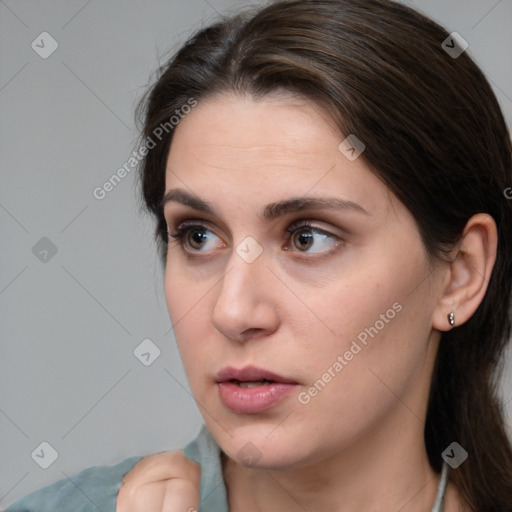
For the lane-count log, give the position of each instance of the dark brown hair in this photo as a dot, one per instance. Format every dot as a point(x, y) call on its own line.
point(434, 134)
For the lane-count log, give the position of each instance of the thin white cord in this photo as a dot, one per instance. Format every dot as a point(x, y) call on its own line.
point(439, 501)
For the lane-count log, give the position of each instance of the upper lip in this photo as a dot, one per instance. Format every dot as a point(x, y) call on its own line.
point(249, 373)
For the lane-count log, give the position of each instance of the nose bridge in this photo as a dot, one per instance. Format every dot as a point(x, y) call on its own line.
point(241, 303)
point(241, 282)
point(247, 261)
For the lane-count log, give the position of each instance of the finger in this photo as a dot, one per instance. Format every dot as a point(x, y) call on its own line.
point(163, 466)
point(181, 496)
point(170, 496)
point(168, 479)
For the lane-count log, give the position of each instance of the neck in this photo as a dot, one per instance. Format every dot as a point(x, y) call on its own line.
point(380, 471)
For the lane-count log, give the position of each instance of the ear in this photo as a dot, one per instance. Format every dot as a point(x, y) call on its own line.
point(468, 274)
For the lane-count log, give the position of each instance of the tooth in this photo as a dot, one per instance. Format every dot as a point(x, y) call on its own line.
point(252, 384)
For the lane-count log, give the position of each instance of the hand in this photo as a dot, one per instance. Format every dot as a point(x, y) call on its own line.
point(165, 482)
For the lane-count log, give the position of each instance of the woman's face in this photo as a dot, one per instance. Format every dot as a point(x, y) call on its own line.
point(339, 309)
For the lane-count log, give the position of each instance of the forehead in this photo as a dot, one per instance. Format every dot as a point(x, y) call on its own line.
point(233, 127)
point(231, 146)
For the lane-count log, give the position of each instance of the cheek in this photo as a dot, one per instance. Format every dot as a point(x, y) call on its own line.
point(185, 290)
point(371, 375)
point(359, 302)
point(370, 323)
point(187, 304)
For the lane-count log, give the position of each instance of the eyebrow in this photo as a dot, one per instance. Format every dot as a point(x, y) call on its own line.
point(271, 211)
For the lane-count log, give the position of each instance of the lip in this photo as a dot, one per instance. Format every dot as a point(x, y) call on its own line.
point(255, 399)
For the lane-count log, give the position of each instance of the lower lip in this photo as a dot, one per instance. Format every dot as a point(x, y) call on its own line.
point(253, 400)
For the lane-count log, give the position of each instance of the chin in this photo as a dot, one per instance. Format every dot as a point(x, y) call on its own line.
point(261, 446)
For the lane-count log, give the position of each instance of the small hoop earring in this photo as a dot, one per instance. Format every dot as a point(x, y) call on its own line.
point(451, 318)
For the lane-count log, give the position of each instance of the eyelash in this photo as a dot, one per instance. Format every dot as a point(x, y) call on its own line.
point(186, 226)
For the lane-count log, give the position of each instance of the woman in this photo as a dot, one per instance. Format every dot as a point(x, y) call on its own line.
point(331, 208)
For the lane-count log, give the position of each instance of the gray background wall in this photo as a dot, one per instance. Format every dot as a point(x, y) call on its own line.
point(71, 320)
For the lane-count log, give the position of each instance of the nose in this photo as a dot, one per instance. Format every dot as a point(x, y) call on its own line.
point(246, 306)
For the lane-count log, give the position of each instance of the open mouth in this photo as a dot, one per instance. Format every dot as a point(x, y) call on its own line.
point(253, 383)
point(252, 390)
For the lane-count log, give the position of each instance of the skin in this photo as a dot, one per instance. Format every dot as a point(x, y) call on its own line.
point(294, 310)
point(164, 482)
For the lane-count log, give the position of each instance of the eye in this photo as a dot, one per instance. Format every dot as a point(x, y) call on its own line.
point(195, 237)
point(309, 239)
